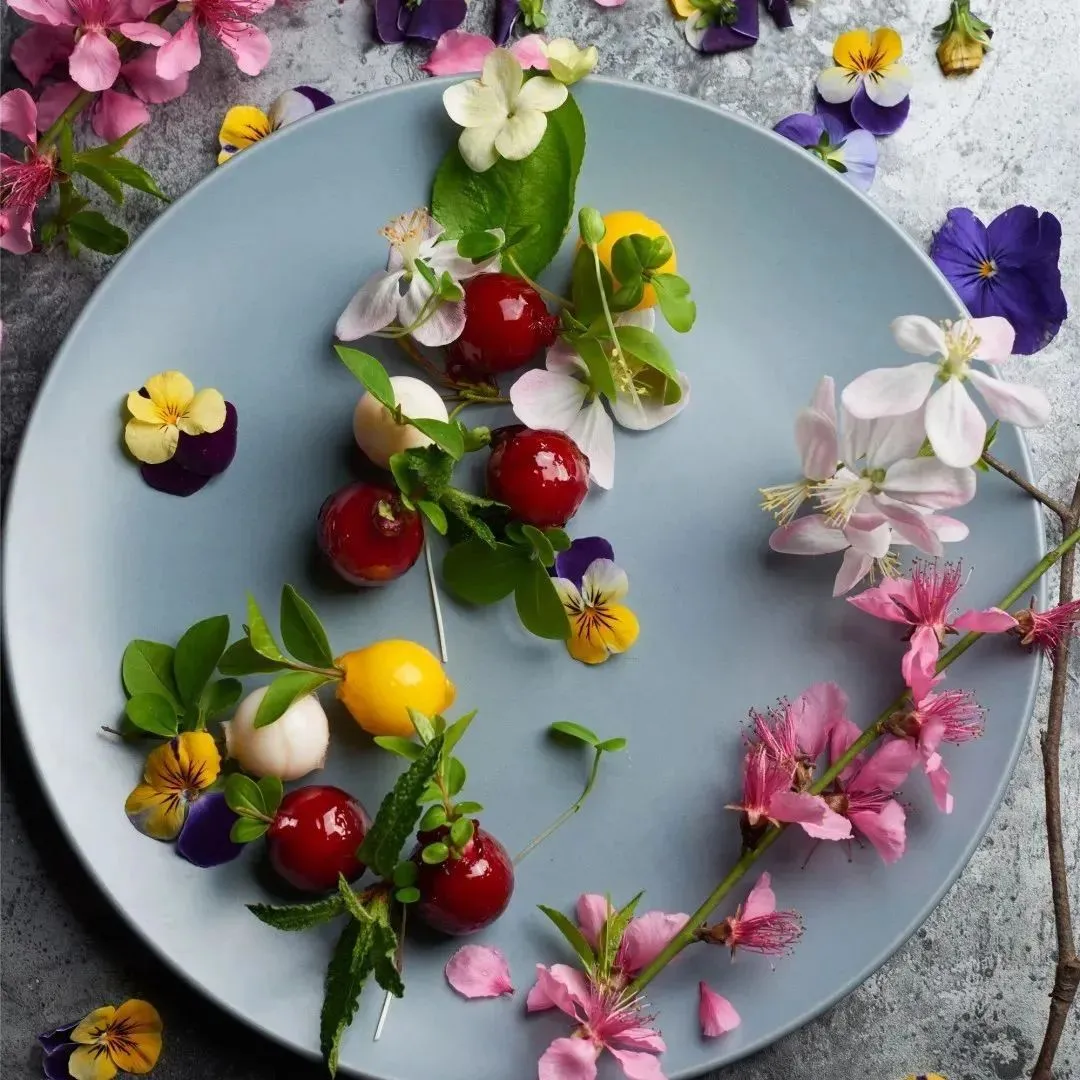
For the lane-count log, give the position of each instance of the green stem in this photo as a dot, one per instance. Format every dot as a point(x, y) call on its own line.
point(566, 815)
point(748, 858)
point(547, 294)
point(465, 402)
point(607, 310)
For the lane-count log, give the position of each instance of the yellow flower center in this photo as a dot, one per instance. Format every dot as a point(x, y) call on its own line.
point(406, 232)
point(987, 268)
point(869, 63)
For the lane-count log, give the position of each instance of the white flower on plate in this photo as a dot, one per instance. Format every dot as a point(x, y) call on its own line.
point(503, 114)
point(402, 295)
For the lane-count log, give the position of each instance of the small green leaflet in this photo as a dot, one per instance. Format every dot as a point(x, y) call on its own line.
point(152, 713)
point(299, 916)
point(466, 507)
point(673, 296)
point(646, 347)
point(286, 688)
point(399, 812)
point(370, 373)
point(98, 174)
point(405, 748)
point(446, 436)
point(133, 176)
point(456, 730)
point(612, 746)
point(241, 659)
point(197, 654)
point(259, 633)
point(540, 544)
point(247, 830)
point(573, 935)
point(576, 731)
point(479, 574)
point(585, 291)
point(219, 697)
point(435, 514)
point(301, 631)
point(147, 668)
point(611, 935)
point(96, 232)
point(538, 604)
point(349, 968)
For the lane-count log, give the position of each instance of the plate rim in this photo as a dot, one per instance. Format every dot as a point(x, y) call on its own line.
point(12, 501)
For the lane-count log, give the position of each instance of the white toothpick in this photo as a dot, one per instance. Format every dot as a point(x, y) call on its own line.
point(382, 1016)
point(399, 959)
point(439, 628)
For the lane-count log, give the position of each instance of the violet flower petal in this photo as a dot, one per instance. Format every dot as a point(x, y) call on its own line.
point(432, 18)
point(173, 479)
point(579, 556)
point(387, 28)
point(780, 12)
point(860, 155)
point(506, 15)
point(56, 1063)
point(877, 119)
point(741, 34)
point(53, 1040)
point(204, 839)
point(839, 111)
point(316, 97)
point(212, 452)
point(801, 128)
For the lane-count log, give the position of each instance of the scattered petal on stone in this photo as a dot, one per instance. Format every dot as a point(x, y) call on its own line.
point(478, 971)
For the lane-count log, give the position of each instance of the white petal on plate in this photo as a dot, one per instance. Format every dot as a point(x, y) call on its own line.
point(894, 438)
point(919, 335)
point(445, 325)
point(645, 413)
point(594, 434)
point(955, 427)
point(521, 134)
point(815, 439)
point(996, 338)
point(889, 391)
point(477, 146)
point(604, 583)
point(547, 399)
point(503, 74)
point(1024, 406)
point(854, 567)
point(541, 92)
point(374, 307)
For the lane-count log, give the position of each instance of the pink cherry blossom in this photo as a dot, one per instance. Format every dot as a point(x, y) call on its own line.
point(1047, 629)
point(642, 941)
point(479, 971)
point(458, 51)
point(23, 184)
point(227, 20)
point(924, 602)
point(93, 60)
point(716, 1013)
point(795, 733)
point(757, 926)
point(604, 1019)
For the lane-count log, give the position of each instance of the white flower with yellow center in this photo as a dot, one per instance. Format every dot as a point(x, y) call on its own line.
point(503, 114)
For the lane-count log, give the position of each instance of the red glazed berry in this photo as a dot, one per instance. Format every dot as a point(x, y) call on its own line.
point(466, 893)
point(368, 535)
point(541, 475)
point(314, 837)
point(506, 324)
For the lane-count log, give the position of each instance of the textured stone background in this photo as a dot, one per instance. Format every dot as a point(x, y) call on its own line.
point(967, 995)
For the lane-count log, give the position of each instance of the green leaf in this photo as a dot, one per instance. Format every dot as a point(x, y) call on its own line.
point(540, 544)
point(469, 807)
point(371, 374)
point(147, 668)
point(673, 296)
point(455, 776)
point(110, 148)
point(575, 731)
point(422, 725)
point(299, 916)
point(197, 654)
point(152, 713)
point(573, 935)
point(435, 514)
point(479, 574)
point(244, 797)
point(466, 508)
point(260, 635)
point(434, 854)
point(219, 697)
point(446, 436)
point(240, 658)
point(519, 236)
point(96, 174)
point(461, 832)
point(656, 251)
point(611, 934)
point(538, 604)
point(595, 358)
point(95, 231)
point(405, 873)
point(646, 347)
point(511, 195)
point(478, 246)
point(405, 748)
point(286, 688)
point(585, 290)
point(456, 731)
point(399, 813)
point(384, 950)
point(245, 830)
point(349, 968)
point(434, 816)
point(611, 746)
point(301, 631)
point(409, 894)
point(272, 791)
point(135, 176)
point(626, 262)
point(627, 297)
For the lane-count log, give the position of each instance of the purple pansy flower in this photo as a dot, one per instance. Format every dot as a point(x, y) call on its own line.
point(1008, 268)
point(852, 153)
point(204, 839)
point(506, 15)
point(780, 12)
point(723, 25)
point(197, 459)
point(396, 20)
point(56, 1051)
point(579, 556)
point(861, 112)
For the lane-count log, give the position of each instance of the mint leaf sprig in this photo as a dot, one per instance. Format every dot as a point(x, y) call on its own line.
point(170, 689)
point(575, 733)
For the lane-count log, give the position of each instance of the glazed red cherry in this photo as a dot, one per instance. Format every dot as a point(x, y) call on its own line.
point(466, 893)
point(541, 475)
point(506, 324)
point(314, 837)
point(368, 534)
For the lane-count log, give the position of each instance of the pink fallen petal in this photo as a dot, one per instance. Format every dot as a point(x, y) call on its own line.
point(531, 52)
point(761, 900)
point(55, 98)
point(457, 52)
point(115, 114)
point(40, 49)
point(645, 938)
point(593, 910)
point(15, 227)
point(249, 46)
point(568, 1059)
point(884, 828)
point(638, 1066)
point(611, 3)
point(939, 778)
point(147, 85)
point(479, 971)
point(811, 813)
point(95, 61)
point(18, 116)
point(180, 54)
point(717, 1014)
point(991, 621)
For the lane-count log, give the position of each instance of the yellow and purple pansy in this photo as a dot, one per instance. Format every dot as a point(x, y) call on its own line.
point(719, 26)
point(591, 587)
point(177, 773)
point(106, 1041)
point(245, 125)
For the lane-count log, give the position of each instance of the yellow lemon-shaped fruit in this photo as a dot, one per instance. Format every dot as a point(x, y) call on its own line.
point(383, 681)
point(622, 223)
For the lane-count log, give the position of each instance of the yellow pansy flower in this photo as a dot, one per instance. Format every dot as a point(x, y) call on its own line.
point(170, 405)
point(599, 625)
point(111, 1039)
point(867, 62)
point(245, 125)
point(176, 773)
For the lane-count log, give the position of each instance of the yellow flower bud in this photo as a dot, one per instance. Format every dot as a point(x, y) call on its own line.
point(958, 54)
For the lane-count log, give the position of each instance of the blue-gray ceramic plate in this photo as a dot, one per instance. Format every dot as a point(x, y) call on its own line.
point(239, 286)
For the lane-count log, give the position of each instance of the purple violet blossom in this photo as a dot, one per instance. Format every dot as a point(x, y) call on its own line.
point(861, 112)
point(1008, 268)
point(780, 12)
point(851, 152)
point(723, 26)
point(56, 1051)
point(428, 20)
point(506, 15)
point(204, 840)
point(579, 556)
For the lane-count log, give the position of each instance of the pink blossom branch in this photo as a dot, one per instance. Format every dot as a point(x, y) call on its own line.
point(870, 735)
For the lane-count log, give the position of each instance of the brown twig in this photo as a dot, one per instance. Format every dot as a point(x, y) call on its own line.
point(1048, 501)
point(1067, 969)
point(422, 362)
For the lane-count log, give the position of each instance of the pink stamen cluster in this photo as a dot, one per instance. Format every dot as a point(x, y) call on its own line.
point(23, 184)
point(1047, 629)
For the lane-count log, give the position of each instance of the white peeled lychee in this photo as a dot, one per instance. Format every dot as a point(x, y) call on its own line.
point(292, 746)
point(376, 431)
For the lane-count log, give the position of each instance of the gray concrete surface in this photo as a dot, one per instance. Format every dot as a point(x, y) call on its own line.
point(967, 995)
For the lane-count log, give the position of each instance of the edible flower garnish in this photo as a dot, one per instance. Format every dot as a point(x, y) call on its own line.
point(869, 78)
point(1046, 630)
point(964, 40)
point(567, 62)
point(227, 20)
point(419, 292)
point(1008, 268)
point(479, 971)
point(245, 125)
point(503, 114)
point(853, 154)
point(719, 26)
point(23, 184)
point(458, 52)
point(176, 774)
point(756, 925)
point(590, 587)
point(168, 407)
point(716, 1014)
point(104, 1042)
point(396, 20)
